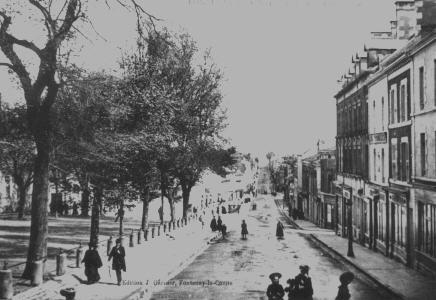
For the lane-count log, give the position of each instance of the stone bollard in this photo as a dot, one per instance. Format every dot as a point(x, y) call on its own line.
point(68, 293)
point(164, 227)
point(152, 232)
point(109, 245)
point(37, 273)
point(146, 234)
point(139, 236)
point(79, 255)
point(61, 258)
point(158, 230)
point(131, 244)
point(6, 287)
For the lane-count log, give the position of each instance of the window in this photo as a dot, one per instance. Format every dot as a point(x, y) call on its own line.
point(373, 115)
point(383, 113)
point(374, 166)
point(401, 225)
point(403, 167)
point(393, 108)
point(421, 87)
point(403, 103)
point(383, 164)
point(434, 80)
point(427, 228)
point(394, 158)
point(422, 143)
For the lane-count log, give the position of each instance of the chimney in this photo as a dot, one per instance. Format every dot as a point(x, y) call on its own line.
point(406, 19)
point(394, 29)
point(425, 15)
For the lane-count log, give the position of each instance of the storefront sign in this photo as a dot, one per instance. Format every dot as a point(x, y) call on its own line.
point(378, 138)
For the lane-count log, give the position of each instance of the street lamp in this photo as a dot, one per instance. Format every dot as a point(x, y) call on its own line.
point(347, 194)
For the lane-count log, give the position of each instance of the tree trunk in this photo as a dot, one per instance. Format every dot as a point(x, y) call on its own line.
point(39, 223)
point(22, 191)
point(145, 204)
point(84, 203)
point(170, 197)
point(186, 191)
point(121, 217)
point(95, 216)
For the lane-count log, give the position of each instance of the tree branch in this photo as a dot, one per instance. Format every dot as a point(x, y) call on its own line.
point(48, 21)
point(7, 65)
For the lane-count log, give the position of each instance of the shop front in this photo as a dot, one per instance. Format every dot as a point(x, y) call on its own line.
point(425, 246)
point(399, 224)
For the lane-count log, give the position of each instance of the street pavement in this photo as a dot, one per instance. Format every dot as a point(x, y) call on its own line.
point(233, 268)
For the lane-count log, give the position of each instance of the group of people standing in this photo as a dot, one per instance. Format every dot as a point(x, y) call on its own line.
point(93, 262)
point(218, 225)
point(300, 287)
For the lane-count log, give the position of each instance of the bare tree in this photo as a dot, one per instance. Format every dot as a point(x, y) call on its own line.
point(41, 91)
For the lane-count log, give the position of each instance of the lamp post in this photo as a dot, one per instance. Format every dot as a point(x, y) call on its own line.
point(349, 203)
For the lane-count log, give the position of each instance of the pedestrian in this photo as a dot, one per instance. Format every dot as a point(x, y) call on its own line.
point(223, 210)
point(92, 262)
point(279, 230)
point(75, 209)
point(244, 230)
point(275, 290)
point(343, 292)
point(213, 224)
point(200, 219)
point(217, 210)
point(160, 212)
point(119, 214)
point(290, 288)
point(219, 223)
point(66, 208)
point(303, 284)
point(118, 262)
point(224, 230)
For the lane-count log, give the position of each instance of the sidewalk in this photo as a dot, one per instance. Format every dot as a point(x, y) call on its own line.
point(148, 265)
point(405, 282)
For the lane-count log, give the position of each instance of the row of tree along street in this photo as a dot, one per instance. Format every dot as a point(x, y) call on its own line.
point(156, 127)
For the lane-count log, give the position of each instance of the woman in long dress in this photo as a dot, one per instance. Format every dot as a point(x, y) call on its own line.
point(244, 230)
point(92, 262)
point(279, 230)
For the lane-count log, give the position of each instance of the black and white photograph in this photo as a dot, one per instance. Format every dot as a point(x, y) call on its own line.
point(217, 149)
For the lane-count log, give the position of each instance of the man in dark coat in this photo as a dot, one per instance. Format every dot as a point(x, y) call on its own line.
point(118, 263)
point(275, 290)
point(224, 230)
point(244, 230)
point(219, 223)
point(213, 224)
point(92, 262)
point(303, 284)
point(279, 230)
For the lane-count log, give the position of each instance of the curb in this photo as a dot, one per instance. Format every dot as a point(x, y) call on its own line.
point(339, 257)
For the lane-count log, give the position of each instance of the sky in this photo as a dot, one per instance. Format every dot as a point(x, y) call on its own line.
point(280, 58)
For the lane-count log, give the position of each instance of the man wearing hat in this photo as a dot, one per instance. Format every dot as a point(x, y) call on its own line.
point(343, 292)
point(303, 284)
point(92, 262)
point(118, 263)
point(275, 290)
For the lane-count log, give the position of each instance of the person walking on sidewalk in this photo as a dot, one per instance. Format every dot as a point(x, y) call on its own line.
point(303, 284)
point(244, 230)
point(343, 292)
point(223, 230)
point(279, 230)
point(219, 223)
point(275, 290)
point(92, 262)
point(213, 224)
point(118, 262)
